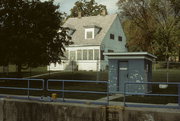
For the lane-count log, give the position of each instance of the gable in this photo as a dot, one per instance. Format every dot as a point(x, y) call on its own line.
point(101, 26)
point(115, 38)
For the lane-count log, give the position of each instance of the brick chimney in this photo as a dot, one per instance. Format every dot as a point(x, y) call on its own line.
point(79, 14)
point(103, 13)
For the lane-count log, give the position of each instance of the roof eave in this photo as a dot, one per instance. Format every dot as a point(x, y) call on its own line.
point(131, 54)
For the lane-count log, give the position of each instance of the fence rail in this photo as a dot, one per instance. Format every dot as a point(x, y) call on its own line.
point(106, 102)
point(63, 91)
point(28, 88)
point(126, 93)
point(164, 65)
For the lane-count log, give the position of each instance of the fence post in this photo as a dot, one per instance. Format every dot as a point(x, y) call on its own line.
point(63, 91)
point(179, 95)
point(108, 92)
point(125, 94)
point(43, 86)
point(154, 65)
point(28, 88)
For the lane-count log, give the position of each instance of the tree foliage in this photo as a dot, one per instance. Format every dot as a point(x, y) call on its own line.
point(31, 33)
point(152, 25)
point(87, 8)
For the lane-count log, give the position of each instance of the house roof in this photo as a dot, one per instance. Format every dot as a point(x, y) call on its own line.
point(79, 24)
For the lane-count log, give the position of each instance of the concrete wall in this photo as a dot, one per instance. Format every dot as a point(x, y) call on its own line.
point(113, 76)
point(151, 114)
point(19, 110)
point(16, 110)
point(137, 72)
point(1, 110)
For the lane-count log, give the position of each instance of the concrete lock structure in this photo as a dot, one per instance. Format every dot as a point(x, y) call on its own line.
point(130, 67)
point(28, 110)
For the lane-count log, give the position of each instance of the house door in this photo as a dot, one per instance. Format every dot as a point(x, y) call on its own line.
point(123, 75)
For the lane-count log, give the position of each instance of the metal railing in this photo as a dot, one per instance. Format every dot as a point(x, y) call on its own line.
point(126, 93)
point(28, 88)
point(106, 102)
point(63, 91)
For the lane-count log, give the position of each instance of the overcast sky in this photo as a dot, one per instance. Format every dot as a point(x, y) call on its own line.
point(66, 5)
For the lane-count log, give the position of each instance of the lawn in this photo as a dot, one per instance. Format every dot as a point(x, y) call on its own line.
point(25, 73)
point(78, 75)
point(158, 76)
point(161, 75)
point(58, 86)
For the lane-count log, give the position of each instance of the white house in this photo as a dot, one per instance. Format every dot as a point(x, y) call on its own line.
point(92, 36)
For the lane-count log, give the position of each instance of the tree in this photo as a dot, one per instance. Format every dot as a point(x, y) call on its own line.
point(86, 8)
point(167, 19)
point(154, 25)
point(31, 33)
point(138, 23)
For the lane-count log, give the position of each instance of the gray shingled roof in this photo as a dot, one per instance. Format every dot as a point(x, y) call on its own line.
point(104, 22)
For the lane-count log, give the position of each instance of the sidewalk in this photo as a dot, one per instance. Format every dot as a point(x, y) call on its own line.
point(39, 75)
point(112, 97)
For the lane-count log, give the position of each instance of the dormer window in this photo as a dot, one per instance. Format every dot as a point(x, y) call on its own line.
point(89, 33)
point(71, 31)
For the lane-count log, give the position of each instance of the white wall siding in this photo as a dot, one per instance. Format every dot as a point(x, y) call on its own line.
point(88, 65)
point(82, 65)
point(57, 66)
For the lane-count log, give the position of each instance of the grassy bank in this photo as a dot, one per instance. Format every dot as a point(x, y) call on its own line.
point(158, 76)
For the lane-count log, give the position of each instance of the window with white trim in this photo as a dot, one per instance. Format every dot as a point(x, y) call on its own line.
point(90, 54)
point(96, 54)
point(89, 33)
point(79, 54)
point(84, 54)
point(72, 55)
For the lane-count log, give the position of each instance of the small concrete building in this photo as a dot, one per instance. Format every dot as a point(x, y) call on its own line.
point(130, 67)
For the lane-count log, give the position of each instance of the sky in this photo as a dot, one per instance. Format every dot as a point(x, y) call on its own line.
point(66, 5)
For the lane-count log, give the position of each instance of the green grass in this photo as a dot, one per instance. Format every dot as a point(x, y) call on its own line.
point(161, 75)
point(150, 99)
point(80, 75)
point(25, 73)
point(57, 86)
point(12, 68)
point(158, 76)
point(171, 89)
